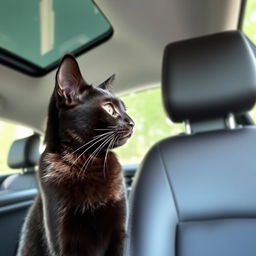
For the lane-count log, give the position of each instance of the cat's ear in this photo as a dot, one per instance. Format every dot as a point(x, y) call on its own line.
point(108, 84)
point(69, 81)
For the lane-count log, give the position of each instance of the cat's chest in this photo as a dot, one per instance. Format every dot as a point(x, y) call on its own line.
point(87, 228)
point(62, 167)
point(96, 185)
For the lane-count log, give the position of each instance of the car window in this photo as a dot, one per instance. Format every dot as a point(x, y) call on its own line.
point(249, 22)
point(10, 132)
point(249, 28)
point(49, 30)
point(151, 125)
point(253, 114)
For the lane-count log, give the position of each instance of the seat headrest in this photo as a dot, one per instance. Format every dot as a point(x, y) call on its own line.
point(208, 77)
point(24, 153)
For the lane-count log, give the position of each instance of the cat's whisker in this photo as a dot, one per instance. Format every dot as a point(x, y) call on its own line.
point(105, 159)
point(111, 127)
point(95, 142)
point(96, 151)
point(122, 130)
point(111, 144)
point(100, 135)
point(94, 138)
point(106, 129)
point(88, 161)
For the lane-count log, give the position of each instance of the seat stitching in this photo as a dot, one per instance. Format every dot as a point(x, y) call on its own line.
point(169, 182)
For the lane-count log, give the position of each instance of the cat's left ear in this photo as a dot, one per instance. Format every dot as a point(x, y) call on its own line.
point(108, 84)
point(69, 82)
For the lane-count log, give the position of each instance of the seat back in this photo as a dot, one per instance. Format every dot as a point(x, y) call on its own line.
point(17, 192)
point(23, 155)
point(194, 194)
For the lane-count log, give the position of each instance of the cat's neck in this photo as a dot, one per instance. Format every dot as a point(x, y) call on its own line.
point(58, 171)
point(68, 164)
point(52, 130)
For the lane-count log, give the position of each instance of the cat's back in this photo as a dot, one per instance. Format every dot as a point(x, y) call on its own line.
point(32, 240)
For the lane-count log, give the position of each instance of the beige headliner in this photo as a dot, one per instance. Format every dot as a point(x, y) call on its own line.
point(141, 30)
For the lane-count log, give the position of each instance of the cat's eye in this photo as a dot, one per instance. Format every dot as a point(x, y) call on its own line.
point(110, 109)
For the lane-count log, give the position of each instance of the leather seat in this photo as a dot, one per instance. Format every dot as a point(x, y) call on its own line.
point(23, 155)
point(17, 192)
point(195, 194)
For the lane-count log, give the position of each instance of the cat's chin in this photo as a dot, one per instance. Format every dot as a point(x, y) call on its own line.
point(121, 142)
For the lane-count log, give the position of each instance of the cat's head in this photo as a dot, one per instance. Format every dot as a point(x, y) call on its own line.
point(88, 114)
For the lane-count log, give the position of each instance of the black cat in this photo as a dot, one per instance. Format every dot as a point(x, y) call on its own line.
point(81, 207)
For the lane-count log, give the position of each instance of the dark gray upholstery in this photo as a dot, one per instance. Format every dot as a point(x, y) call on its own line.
point(17, 192)
point(19, 181)
point(23, 155)
point(195, 194)
point(208, 77)
point(217, 237)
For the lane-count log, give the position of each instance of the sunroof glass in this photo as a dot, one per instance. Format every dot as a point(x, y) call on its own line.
point(42, 31)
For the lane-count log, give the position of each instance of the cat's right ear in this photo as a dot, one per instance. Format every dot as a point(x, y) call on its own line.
point(69, 82)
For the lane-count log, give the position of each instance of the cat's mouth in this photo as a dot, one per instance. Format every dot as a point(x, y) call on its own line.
point(124, 137)
point(127, 133)
point(127, 136)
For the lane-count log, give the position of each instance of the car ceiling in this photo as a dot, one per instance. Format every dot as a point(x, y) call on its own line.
point(134, 53)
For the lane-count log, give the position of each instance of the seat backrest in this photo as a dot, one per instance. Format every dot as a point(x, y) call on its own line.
point(194, 194)
point(17, 192)
point(23, 155)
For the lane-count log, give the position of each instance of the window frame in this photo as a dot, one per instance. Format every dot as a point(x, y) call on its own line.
point(241, 15)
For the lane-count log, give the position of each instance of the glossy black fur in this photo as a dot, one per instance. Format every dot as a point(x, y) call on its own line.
point(79, 211)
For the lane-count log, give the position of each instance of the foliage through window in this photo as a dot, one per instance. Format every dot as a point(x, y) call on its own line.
point(151, 125)
point(9, 132)
point(249, 28)
point(249, 22)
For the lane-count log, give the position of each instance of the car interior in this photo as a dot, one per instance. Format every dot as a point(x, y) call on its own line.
point(205, 175)
point(186, 71)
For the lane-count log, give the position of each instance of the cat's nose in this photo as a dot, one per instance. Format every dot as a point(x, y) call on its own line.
point(131, 123)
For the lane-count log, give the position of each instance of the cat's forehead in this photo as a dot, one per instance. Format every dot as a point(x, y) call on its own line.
point(108, 96)
point(103, 92)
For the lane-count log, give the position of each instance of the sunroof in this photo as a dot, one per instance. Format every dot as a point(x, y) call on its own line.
point(35, 34)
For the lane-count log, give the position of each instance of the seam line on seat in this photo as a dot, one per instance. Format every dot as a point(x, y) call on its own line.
point(218, 219)
point(169, 182)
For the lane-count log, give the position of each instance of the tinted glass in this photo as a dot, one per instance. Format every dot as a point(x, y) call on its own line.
point(42, 31)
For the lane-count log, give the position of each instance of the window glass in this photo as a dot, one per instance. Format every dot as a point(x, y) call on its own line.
point(42, 31)
point(253, 114)
point(249, 22)
point(249, 28)
point(10, 132)
point(151, 125)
